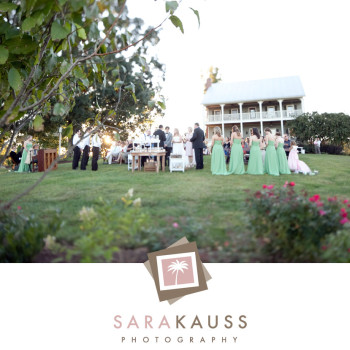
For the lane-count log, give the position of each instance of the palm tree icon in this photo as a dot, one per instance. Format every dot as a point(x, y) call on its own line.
point(178, 266)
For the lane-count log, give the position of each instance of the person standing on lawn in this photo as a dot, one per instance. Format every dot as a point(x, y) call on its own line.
point(86, 149)
point(168, 144)
point(198, 145)
point(77, 144)
point(96, 146)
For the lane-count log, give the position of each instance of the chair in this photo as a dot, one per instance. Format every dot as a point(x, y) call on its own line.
point(176, 163)
point(130, 162)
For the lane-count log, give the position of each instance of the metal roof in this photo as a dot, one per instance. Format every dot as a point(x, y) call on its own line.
point(255, 90)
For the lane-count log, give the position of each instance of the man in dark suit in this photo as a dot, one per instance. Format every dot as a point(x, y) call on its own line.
point(198, 144)
point(161, 135)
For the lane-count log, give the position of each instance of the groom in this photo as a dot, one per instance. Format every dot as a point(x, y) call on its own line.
point(197, 144)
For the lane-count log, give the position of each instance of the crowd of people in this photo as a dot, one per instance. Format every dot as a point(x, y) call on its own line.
point(269, 154)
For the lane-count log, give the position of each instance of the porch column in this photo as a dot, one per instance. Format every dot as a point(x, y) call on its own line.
point(222, 119)
point(241, 115)
point(281, 111)
point(302, 105)
point(261, 122)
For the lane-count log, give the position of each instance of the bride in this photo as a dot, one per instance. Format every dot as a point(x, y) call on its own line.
point(178, 148)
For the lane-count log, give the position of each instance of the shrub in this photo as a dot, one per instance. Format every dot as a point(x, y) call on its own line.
point(21, 236)
point(292, 227)
point(109, 226)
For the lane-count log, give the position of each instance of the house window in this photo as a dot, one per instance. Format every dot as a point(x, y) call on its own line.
point(271, 111)
point(234, 111)
point(290, 110)
point(252, 113)
point(217, 112)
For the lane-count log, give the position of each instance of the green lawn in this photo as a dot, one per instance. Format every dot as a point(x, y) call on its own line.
point(215, 202)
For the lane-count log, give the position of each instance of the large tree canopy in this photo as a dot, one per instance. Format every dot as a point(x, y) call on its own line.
point(333, 128)
point(52, 52)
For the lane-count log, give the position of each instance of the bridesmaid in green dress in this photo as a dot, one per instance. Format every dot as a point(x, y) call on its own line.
point(271, 161)
point(281, 155)
point(255, 164)
point(25, 161)
point(218, 162)
point(236, 158)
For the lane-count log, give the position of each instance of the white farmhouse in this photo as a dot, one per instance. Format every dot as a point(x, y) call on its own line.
point(259, 103)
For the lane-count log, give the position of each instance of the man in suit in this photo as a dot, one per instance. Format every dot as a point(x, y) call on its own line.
point(161, 135)
point(77, 143)
point(86, 149)
point(198, 144)
point(168, 144)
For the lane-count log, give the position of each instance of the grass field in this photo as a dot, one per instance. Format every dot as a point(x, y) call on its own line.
point(215, 202)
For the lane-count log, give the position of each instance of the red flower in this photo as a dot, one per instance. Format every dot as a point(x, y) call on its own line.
point(344, 214)
point(319, 204)
point(332, 199)
point(314, 198)
point(270, 187)
point(343, 210)
point(345, 201)
point(292, 184)
point(19, 207)
point(226, 244)
point(324, 247)
point(344, 221)
point(264, 186)
point(258, 194)
point(322, 212)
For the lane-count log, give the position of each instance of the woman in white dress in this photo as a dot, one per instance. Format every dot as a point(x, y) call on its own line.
point(178, 148)
point(189, 149)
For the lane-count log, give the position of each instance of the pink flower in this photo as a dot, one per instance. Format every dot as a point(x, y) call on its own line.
point(319, 204)
point(264, 186)
point(345, 201)
point(175, 224)
point(332, 199)
point(322, 212)
point(19, 207)
point(324, 247)
point(270, 187)
point(343, 210)
point(285, 184)
point(226, 244)
point(258, 194)
point(348, 250)
point(344, 221)
point(314, 198)
point(292, 184)
point(344, 214)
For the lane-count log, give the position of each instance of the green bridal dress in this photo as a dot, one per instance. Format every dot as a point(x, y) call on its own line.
point(255, 164)
point(236, 158)
point(282, 160)
point(271, 161)
point(24, 167)
point(218, 162)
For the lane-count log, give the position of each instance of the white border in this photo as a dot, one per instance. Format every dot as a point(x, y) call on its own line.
point(177, 256)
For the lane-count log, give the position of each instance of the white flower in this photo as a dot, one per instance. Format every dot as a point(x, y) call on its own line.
point(87, 214)
point(130, 193)
point(49, 241)
point(137, 202)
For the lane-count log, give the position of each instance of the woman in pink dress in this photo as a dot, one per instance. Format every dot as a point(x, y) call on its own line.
point(189, 149)
point(294, 163)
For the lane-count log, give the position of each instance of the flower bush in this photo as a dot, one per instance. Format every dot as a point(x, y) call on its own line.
point(22, 236)
point(291, 226)
point(107, 227)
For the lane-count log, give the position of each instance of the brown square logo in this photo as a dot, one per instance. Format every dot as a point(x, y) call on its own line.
point(177, 271)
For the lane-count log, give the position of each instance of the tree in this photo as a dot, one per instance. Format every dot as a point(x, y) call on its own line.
point(332, 128)
point(177, 266)
point(44, 47)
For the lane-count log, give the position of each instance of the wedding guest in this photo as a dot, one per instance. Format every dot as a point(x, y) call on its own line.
point(14, 157)
point(189, 148)
point(26, 157)
point(168, 144)
point(255, 164)
point(294, 163)
point(126, 149)
point(197, 143)
point(271, 161)
point(281, 155)
point(113, 152)
point(78, 145)
point(286, 144)
point(161, 135)
point(317, 144)
point(86, 149)
point(177, 145)
point(236, 165)
point(227, 149)
point(96, 146)
point(218, 163)
point(147, 138)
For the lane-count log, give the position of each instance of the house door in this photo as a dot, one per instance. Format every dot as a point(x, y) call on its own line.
point(217, 115)
point(271, 112)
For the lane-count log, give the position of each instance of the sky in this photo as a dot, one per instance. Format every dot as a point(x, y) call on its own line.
point(249, 40)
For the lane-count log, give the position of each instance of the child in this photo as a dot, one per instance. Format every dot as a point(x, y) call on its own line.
point(294, 163)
